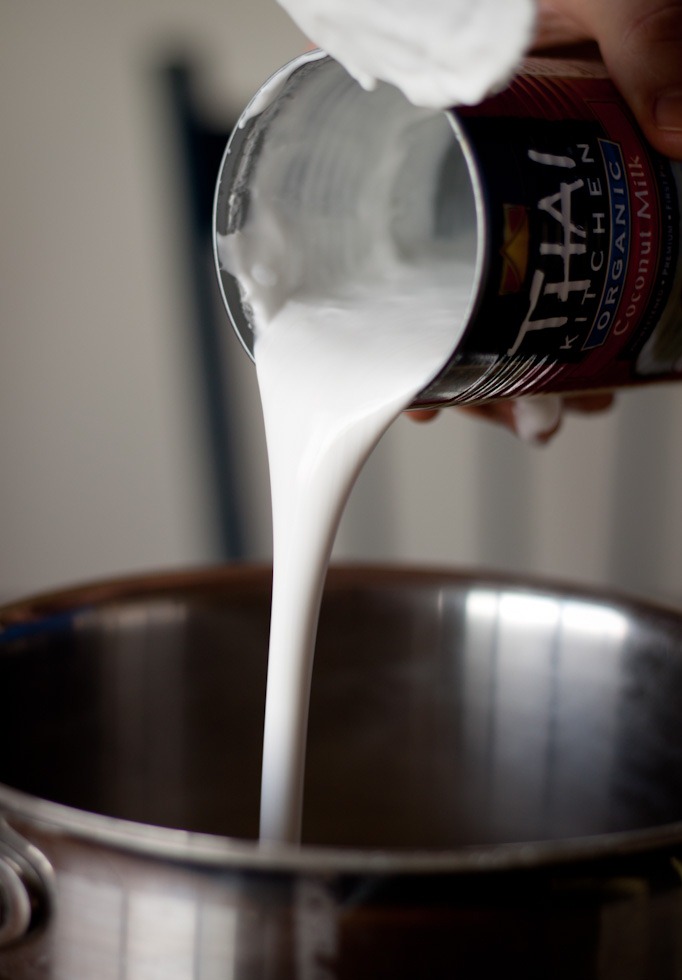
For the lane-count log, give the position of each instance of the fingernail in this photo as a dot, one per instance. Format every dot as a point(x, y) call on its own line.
point(537, 417)
point(668, 111)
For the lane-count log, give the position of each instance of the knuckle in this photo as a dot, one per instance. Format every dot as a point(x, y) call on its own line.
point(660, 22)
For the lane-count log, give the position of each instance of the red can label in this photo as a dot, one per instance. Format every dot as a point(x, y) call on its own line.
point(582, 245)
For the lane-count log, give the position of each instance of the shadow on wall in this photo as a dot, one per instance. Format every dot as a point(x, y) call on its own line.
point(201, 146)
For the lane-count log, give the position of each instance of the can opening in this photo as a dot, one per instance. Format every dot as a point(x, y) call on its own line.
point(333, 192)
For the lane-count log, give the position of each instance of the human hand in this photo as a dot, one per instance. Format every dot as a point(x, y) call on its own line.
point(640, 42)
point(534, 419)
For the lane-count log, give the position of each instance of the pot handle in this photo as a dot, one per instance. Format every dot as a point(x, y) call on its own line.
point(26, 887)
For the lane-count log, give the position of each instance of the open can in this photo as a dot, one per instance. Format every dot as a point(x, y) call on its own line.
point(567, 221)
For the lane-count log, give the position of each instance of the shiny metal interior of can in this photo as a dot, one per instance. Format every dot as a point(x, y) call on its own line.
point(344, 176)
point(447, 711)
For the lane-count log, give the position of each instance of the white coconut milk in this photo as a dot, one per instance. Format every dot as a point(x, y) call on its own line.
point(332, 379)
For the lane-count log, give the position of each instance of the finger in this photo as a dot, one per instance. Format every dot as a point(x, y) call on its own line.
point(556, 28)
point(423, 414)
point(524, 417)
point(501, 413)
point(537, 417)
point(587, 404)
point(534, 419)
point(641, 44)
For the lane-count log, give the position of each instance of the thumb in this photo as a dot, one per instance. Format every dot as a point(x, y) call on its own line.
point(641, 44)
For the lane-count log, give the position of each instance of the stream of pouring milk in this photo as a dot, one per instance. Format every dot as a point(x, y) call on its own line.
point(356, 300)
point(333, 376)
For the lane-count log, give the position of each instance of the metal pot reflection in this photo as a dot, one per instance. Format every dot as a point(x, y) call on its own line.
point(494, 783)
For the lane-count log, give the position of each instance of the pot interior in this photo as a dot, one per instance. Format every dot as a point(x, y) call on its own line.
point(446, 710)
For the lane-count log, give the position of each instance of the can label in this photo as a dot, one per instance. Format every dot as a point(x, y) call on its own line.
point(581, 284)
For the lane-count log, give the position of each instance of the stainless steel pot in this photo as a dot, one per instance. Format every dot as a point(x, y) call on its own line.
point(494, 784)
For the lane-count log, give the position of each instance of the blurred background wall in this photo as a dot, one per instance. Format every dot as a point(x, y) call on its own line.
point(109, 389)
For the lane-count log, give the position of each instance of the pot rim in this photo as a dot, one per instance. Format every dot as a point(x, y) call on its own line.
point(210, 850)
point(214, 851)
